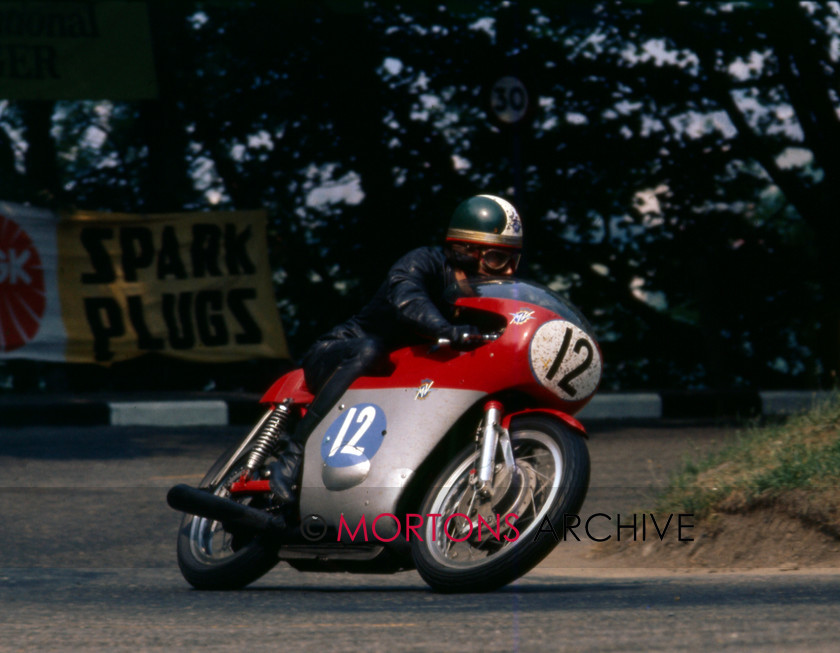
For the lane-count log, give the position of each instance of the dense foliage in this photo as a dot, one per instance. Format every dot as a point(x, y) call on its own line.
point(677, 169)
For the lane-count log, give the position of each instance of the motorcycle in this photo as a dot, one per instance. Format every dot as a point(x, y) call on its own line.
point(448, 462)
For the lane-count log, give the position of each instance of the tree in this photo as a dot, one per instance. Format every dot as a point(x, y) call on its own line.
point(676, 168)
point(712, 258)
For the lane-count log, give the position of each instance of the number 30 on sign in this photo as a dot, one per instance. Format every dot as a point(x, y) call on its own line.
point(509, 100)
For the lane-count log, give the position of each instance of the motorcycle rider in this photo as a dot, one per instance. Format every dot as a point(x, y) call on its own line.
point(484, 237)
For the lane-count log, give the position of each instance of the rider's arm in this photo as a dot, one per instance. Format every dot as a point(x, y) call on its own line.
point(412, 281)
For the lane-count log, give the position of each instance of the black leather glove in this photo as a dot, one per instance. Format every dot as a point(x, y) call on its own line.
point(463, 337)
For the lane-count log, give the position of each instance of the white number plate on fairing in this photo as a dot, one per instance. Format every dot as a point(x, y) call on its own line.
point(565, 360)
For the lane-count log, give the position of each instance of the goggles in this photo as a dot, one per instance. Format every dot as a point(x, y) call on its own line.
point(493, 259)
point(497, 260)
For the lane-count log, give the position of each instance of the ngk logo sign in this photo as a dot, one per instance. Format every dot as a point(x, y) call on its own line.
point(12, 267)
point(22, 293)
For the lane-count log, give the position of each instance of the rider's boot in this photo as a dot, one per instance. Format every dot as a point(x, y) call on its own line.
point(284, 472)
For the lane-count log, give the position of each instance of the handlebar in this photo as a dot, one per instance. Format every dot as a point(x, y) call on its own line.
point(481, 338)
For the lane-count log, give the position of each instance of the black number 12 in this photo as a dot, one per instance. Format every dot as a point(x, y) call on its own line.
point(565, 382)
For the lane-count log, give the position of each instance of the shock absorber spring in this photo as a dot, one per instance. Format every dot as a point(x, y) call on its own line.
point(272, 431)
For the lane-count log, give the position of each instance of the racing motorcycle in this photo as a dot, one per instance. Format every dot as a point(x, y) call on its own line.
point(448, 462)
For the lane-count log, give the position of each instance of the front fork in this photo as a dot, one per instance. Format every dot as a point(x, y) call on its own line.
point(493, 435)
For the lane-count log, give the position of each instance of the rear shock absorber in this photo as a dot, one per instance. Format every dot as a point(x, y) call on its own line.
point(272, 431)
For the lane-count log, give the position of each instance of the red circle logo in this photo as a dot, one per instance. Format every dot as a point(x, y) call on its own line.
point(22, 293)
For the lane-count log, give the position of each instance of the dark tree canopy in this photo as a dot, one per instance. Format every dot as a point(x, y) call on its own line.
point(677, 169)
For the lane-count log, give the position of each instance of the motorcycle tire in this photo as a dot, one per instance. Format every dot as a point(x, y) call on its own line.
point(211, 558)
point(552, 481)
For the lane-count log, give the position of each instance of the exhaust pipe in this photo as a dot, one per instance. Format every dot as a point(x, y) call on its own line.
point(204, 504)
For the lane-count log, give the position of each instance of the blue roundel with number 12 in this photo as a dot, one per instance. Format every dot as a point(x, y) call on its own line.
point(354, 437)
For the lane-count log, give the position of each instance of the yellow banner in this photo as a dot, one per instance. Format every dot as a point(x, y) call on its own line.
point(193, 285)
point(67, 50)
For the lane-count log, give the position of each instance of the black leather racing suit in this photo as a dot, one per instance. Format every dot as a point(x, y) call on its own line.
point(407, 308)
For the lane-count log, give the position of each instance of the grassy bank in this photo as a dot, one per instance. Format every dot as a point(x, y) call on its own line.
point(793, 467)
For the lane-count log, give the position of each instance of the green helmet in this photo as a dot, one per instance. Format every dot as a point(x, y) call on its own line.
point(486, 220)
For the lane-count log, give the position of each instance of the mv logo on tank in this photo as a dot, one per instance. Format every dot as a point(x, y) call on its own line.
point(22, 293)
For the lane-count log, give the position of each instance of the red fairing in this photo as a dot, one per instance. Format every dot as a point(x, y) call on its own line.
point(503, 364)
point(490, 368)
point(289, 385)
point(559, 414)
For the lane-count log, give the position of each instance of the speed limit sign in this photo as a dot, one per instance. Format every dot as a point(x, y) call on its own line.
point(509, 99)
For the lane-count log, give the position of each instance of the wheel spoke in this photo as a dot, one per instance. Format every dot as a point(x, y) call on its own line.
point(472, 503)
point(547, 478)
point(551, 469)
point(533, 503)
point(536, 460)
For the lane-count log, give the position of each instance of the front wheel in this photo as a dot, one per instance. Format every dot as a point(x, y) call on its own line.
point(213, 558)
point(480, 541)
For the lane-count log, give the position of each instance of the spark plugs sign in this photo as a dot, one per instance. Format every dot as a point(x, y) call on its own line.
point(197, 285)
point(101, 287)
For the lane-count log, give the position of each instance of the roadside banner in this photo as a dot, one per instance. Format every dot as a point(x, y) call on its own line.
point(98, 287)
point(71, 50)
point(30, 312)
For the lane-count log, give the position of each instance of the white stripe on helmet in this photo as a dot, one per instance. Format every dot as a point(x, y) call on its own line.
point(514, 223)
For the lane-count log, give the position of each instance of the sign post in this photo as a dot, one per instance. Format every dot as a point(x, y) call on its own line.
point(510, 103)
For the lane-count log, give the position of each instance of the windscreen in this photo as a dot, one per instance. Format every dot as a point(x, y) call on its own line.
point(521, 291)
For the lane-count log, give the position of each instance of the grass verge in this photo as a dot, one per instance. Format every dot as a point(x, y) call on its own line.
point(794, 467)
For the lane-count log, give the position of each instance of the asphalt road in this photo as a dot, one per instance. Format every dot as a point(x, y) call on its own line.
point(87, 562)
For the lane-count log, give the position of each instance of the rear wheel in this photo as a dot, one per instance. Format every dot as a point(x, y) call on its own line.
point(480, 543)
point(213, 558)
